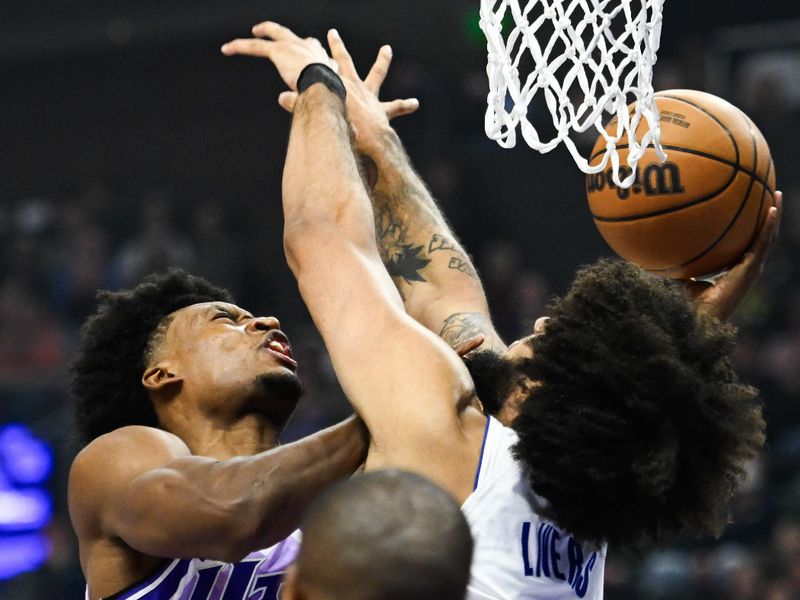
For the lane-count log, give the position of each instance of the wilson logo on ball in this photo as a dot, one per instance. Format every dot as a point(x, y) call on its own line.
point(655, 179)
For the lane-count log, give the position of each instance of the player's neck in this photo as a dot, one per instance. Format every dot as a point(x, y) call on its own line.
point(225, 438)
point(249, 436)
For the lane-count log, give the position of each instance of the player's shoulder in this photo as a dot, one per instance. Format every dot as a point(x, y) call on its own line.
point(111, 461)
point(133, 446)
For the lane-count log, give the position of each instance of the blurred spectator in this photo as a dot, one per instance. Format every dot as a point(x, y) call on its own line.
point(156, 246)
point(32, 346)
point(81, 264)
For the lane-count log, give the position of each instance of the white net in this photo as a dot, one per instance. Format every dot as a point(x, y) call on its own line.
point(590, 58)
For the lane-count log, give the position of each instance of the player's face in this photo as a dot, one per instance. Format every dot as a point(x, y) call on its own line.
point(224, 356)
point(500, 381)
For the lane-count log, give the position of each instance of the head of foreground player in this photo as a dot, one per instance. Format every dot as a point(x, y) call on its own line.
point(385, 535)
point(632, 425)
point(175, 352)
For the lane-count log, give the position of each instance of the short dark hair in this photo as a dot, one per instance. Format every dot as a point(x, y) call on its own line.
point(386, 535)
point(640, 427)
point(115, 345)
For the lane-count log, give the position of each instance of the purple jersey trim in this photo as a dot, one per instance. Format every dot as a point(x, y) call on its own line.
point(257, 576)
point(166, 580)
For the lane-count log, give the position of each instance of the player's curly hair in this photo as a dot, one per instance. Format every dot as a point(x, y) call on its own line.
point(640, 427)
point(116, 342)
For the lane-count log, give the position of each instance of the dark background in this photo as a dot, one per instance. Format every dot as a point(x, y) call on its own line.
point(129, 143)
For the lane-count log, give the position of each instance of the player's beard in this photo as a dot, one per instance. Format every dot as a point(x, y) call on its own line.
point(493, 376)
point(281, 392)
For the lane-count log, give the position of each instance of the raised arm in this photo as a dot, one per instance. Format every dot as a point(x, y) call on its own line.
point(142, 486)
point(409, 388)
point(435, 276)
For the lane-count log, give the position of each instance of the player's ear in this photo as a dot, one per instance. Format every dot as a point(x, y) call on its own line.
point(160, 378)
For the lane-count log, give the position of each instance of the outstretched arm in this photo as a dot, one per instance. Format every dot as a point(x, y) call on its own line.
point(435, 276)
point(721, 299)
point(411, 390)
point(142, 486)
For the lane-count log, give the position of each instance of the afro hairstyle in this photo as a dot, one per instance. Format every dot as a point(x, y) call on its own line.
point(639, 429)
point(106, 386)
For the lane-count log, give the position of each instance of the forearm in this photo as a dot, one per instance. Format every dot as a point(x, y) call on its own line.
point(434, 274)
point(321, 182)
point(226, 509)
point(283, 483)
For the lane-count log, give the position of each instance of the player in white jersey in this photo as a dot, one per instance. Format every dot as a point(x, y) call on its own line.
point(631, 424)
point(518, 554)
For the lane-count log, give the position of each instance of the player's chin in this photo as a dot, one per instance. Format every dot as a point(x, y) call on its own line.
point(281, 382)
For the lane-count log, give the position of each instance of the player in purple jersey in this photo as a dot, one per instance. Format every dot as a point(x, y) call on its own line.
point(613, 399)
point(182, 491)
point(385, 535)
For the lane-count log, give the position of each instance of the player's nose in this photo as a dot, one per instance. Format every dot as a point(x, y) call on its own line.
point(540, 325)
point(264, 324)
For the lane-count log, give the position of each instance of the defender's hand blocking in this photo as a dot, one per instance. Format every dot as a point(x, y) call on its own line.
point(367, 114)
point(289, 53)
point(723, 297)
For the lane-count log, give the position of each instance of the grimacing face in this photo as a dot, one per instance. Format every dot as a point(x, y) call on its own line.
point(221, 352)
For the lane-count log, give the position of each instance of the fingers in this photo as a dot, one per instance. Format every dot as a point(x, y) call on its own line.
point(377, 74)
point(769, 230)
point(275, 31)
point(341, 55)
point(248, 47)
point(469, 344)
point(398, 108)
point(287, 100)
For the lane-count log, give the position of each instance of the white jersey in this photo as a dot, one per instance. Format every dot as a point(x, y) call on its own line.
point(519, 555)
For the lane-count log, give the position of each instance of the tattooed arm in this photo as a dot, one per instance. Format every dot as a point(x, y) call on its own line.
point(436, 279)
point(435, 276)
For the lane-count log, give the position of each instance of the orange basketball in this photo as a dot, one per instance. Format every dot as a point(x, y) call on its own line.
point(698, 212)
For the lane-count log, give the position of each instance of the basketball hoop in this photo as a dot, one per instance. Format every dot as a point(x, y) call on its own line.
point(590, 58)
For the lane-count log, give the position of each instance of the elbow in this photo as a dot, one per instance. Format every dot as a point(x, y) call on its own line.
point(305, 242)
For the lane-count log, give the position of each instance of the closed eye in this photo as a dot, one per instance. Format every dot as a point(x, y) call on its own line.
point(225, 316)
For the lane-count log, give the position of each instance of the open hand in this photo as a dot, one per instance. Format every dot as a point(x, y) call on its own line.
point(367, 114)
point(289, 53)
point(723, 297)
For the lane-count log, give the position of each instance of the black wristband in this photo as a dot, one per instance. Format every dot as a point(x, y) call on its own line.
point(319, 73)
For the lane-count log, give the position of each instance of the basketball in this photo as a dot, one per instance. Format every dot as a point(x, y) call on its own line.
point(699, 211)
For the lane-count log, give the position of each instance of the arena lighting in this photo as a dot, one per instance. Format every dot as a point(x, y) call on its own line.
point(23, 510)
point(22, 553)
point(25, 459)
point(26, 506)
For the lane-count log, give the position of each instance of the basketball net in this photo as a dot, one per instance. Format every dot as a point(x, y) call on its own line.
point(588, 57)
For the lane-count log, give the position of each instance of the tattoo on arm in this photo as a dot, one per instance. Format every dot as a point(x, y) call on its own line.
point(459, 327)
point(405, 261)
point(460, 264)
point(400, 255)
point(440, 242)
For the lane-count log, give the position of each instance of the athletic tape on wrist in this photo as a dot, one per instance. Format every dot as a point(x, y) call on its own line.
point(319, 73)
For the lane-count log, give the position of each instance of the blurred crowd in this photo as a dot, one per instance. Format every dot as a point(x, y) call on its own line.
point(56, 252)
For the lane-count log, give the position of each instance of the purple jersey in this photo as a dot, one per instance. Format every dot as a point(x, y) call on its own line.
point(256, 577)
